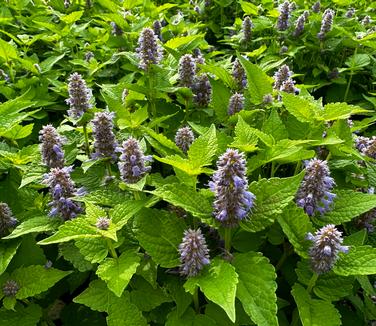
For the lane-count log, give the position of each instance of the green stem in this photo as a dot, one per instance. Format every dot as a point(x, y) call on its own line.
point(112, 249)
point(136, 195)
point(195, 300)
point(350, 80)
point(297, 167)
point(228, 239)
point(272, 170)
point(312, 282)
point(108, 166)
point(87, 148)
point(153, 108)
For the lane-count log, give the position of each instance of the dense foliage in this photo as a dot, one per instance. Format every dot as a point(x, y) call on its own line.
point(187, 163)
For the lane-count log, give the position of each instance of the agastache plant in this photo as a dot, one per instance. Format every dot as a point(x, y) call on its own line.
point(79, 96)
point(247, 26)
point(316, 7)
point(239, 75)
point(283, 81)
point(7, 220)
point(148, 50)
point(104, 138)
point(299, 27)
point(62, 190)
point(284, 16)
point(236, 103)
point(327, 243)
point(314, 194)
point(10, 288)
point(194, 253)
point(51, 147)
point(187, 70)
point(202, 91)
point(229, 184)
point(132, 161)
point(184, 138)
point(326, 23)
point(157, 28)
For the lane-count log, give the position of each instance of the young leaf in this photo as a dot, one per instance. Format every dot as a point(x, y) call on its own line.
point(301, 108)
point(245, 138)
point(256, 290)
point(359, 260)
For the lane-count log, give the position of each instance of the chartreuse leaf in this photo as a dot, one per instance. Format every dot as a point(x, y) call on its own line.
point(314, 312)
point(25, 316)
point(36, 279)
point(159, 233)
point(272, 196)
point(93, 249)
point(347, 205)
point(7, 250)
point(296, 224)
point(117, 272)
point(218, 283)
point(335, 111)
point(301, 108)
point(35, 224)
point(360, 260)
point(259, 83)
point(256, 287)
point(245, 138)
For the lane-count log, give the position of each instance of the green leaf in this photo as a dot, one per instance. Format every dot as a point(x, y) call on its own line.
point(245, 138)
point(301, 108)
point(314, 312)
point(223, 74)
point(275, 127)
point(296, 224)
point(93, 249)
point(117, 272)
point(121, 213)
point(218, 283)
point(25, 316)
point(185, 43)
point(35, 224)
point(335, 111)
point(19, 132)
point(7, 250)
point(72, 17)
point(249, 8)
point(7, 51)
point(160, 234)
point(203, 149)
point(72, 254)
point(256, 289)
point(359, 260)
point(272, 196)
point(221, 97)
point(36, 279)
point(259, 83)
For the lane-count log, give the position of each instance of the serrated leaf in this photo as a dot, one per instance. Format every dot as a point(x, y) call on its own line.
point(121, 213)
point(296, 224)
point(301, 108)
point(93, 249)
point(36, 279)
point(314, 312)
point(256, 290)
point(360, 260)
point(272, 196)
point(160, 234)
point(221, 97)
point(245, 138)
point(162, 139)
point(258, 81)
point(72, 254)
point(117, 272)
point(35, 224)
point(218, 283)
point(25, 316)
point(275, 127)
point(184, 43)
point(7, 251)
point(335, 111)
point(19, 132)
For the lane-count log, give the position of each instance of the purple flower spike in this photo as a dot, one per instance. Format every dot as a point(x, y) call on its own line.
point(184, 138)
point(202, 91)
point(316, 7)
point(51, 147)
point(299, 27)
point(132, 161)
point(10, 288)
point(239, 75)
point(7, 220)
point(194, 253)
point(187, 70)
point(327, 243)
point(79, 96)
point(284, 16)
point(232, 200)
point(104, 138)
point(236, 103)
point(157, 28)
point(314, 193)
point(326, 23)
point(149, 52)
point(247, 29)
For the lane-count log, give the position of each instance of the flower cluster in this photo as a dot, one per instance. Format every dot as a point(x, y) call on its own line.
point(187, 70)
point(79, 96)
point(202, 91)
point(10, 288)
point(132, 161)
point(366, 20)
point(366, 145)
point(284, 16)
point(7, 220)
point(62, 190)
point(239, 75)
point(157, 28)
point(299, 27)
point(198, 56)
point(316, 7)
point(51, 147)
point(149, 52)
point(236, 103)
point(350, 13)
point(283, 81)
point(326, 23)
point(327, 243)
point(104, 138)
point(247, 26)
point(103, 223)
point(194, 253)
point(229, 184)
point(116, 30)
point(314, 193)
point(184, 138)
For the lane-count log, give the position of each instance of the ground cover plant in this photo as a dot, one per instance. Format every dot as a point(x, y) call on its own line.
point(187, 163)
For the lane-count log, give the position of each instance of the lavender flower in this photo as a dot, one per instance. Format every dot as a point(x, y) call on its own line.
point(350, 13)
point(104, 139)
point(282, 75)
point(367, 220)
point(198, 56)
point(194, 253)
point(284, 16)
point(327, 243)
point(10, 288)
point(299, 27)
point(239, 75)
point(247, 29)
point(7, 220)
point(232, 201)
point(67, 4)
point(283, 49)
point(268, 99)
point(51, 147)
point(62, 190)
point(116, 30)
point(305, 15)
point(184, 138)
point(79, 96)
point(326, 23)
point(366, 20)
point(202, 91)
point(187, 70)
point(316, 7)
point(157, 28)
point(88, 56)
point(132, 161)
point(366, 146)
point(288, 86)
point(103, 223)
point(236, 103)
point(314, 193)
point(149, 51)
